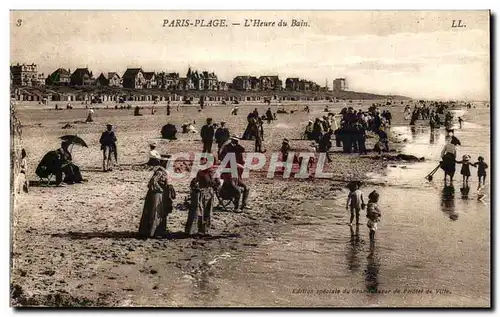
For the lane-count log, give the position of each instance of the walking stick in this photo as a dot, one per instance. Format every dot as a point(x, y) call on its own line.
point(429, 176)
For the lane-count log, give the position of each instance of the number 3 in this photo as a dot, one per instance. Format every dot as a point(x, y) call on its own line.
point(19, 22)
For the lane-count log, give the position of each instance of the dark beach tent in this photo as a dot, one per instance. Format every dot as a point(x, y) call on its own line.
point(169, 131)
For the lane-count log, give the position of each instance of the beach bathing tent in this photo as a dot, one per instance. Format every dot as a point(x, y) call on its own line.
point(169, 132)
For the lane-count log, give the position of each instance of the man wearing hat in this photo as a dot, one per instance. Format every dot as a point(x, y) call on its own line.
point(207, 136)
point(108, 148)
point(236, 185)
point(221, 135)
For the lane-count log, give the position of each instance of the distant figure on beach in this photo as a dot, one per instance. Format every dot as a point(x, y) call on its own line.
point(108, 148)
point(153, 110)
point(481, 171)
point(207, 136)
point(284, 150)
point(234, 111)
point(325, 144)
point(269, 115)
point(373, 214)
point(90, 115)
point(355, 201)
point(137, 111)
point(168, 108)
point(221, 135)
point(158, 204)
point(460, 122)
point(22, 178)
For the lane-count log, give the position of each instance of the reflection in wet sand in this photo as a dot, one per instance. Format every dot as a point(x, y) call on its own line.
point(354, 247)
point(372, 268)
point(448, 202)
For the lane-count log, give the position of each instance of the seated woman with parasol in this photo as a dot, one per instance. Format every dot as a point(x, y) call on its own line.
point(60, 162)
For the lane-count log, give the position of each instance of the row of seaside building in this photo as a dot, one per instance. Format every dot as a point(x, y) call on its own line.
point(28, 76)
point(46, 95)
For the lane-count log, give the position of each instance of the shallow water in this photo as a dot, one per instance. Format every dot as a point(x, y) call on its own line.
point(433, 245)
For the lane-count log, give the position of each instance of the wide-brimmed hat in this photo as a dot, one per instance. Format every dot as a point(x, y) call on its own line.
point(235, 138)
point(285, 141)
point(455, 141)
point(109, 125)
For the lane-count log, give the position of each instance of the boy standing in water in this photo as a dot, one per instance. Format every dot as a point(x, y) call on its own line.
point(481, 170)
point(355, 200)
point(373, 213)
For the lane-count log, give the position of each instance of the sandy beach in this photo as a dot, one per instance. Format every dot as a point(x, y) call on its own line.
point(76, 245)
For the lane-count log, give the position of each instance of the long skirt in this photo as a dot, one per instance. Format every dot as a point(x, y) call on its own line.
point(154, 215)
point(448, 164)
point(200, 211)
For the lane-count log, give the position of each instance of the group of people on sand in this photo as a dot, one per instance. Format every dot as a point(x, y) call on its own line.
point(204, 188)
point(60, 162)
point(351, 134)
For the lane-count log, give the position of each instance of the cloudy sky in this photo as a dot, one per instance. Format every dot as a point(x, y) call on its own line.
point(412, 53)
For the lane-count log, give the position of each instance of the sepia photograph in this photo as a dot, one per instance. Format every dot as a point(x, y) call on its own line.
point(282, 159)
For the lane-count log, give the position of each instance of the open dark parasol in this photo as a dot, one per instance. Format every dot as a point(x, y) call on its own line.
point(73, 139)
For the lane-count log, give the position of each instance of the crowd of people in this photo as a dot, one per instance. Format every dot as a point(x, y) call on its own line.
point(349, 128)
point(350, 134)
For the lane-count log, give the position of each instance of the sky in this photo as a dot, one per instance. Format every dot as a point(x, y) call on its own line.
point(413, 53)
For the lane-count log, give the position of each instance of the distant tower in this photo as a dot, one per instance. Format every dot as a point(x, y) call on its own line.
point(340, 84)
point(326, 83)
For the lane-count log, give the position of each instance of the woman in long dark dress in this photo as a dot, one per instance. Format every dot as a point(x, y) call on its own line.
point(158, 204)
point(448, 157)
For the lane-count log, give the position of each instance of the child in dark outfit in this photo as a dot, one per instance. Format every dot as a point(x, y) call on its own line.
point(465, 171)
point(481, 170)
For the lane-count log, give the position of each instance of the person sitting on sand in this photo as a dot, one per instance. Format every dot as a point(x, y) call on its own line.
point(90, 116)
point(158, 203)
point(154, 156)
point(137, 111)
point(71, 171)
point(308, 132)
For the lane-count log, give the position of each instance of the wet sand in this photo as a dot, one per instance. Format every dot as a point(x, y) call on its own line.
point(76, 244)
